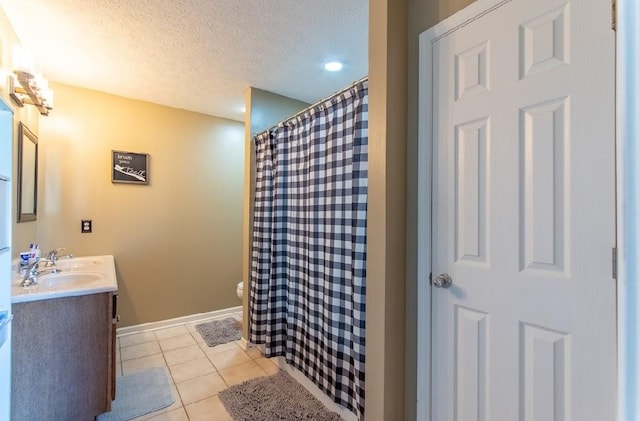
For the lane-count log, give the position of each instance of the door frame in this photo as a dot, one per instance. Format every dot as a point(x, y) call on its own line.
point(628, 193)
point(628, 206)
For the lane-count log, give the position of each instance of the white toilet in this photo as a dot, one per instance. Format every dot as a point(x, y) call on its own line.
point(240, 290)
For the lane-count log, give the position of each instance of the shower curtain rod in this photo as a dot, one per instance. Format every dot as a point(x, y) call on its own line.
point(315, 104)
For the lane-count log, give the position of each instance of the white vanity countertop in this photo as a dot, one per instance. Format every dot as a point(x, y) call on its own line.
point(78, 276)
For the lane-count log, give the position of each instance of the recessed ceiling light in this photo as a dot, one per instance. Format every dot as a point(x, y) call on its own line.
point(333, 66)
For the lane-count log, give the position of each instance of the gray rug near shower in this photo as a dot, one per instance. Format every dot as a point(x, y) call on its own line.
point(277, 397)
point(140, 393)
point(219, 332)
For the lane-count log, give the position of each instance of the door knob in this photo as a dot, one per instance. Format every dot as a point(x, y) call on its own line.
point(441, 280)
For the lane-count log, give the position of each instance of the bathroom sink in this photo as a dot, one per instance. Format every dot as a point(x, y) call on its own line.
point(69, 279)
point(79, 263)
point(77, 276)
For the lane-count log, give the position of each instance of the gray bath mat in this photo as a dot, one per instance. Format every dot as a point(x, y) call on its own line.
point(277, 397)
point(140, 393)
point(220, 331)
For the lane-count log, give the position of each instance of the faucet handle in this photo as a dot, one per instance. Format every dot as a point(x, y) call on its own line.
point(53, 254)
point(32, 269)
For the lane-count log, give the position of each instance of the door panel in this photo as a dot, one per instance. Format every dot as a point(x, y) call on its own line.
point(544, 365)
point(471, 191)
point(544, 138)
point(471, 364)
point(523, 215)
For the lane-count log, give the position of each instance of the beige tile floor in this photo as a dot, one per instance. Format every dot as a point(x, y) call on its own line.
point(198, 372)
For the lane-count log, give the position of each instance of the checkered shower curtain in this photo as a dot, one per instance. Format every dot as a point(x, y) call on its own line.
point(307, 296)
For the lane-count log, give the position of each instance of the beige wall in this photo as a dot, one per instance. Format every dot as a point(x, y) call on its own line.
point(177, 242)
point(27, 115)
point(264, 109)
point(385, 323)
point(394, 27)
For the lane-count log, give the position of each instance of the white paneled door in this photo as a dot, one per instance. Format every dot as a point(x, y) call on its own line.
point(524, 214)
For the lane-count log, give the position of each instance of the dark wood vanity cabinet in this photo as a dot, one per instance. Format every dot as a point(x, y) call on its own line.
point(63, 358)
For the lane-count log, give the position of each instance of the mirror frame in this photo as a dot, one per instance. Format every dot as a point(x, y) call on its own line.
point(26, 135)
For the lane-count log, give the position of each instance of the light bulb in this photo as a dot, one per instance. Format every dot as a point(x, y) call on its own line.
point(333, 66)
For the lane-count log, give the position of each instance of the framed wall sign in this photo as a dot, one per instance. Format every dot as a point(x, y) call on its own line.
point(129, 167)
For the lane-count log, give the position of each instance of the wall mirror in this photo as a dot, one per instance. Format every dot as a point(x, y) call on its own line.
point(27, 174)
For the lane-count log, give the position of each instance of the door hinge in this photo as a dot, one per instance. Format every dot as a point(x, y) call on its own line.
point(613, 14)
point(614, 263)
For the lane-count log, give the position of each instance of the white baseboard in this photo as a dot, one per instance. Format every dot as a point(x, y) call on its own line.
point(200, 317)
point(315, 391)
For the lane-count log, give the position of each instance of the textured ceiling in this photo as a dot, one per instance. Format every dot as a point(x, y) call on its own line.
point(199, 55)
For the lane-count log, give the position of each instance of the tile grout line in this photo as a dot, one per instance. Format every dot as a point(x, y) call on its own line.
point(184, 406)
point(198, 343)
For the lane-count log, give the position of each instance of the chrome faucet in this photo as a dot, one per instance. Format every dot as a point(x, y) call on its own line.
point(33, 270)
point(52, 256)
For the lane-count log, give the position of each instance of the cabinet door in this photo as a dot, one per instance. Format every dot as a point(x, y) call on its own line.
point(73, 375)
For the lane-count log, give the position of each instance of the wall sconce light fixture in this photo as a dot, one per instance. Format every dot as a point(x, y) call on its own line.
point(25, 87)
